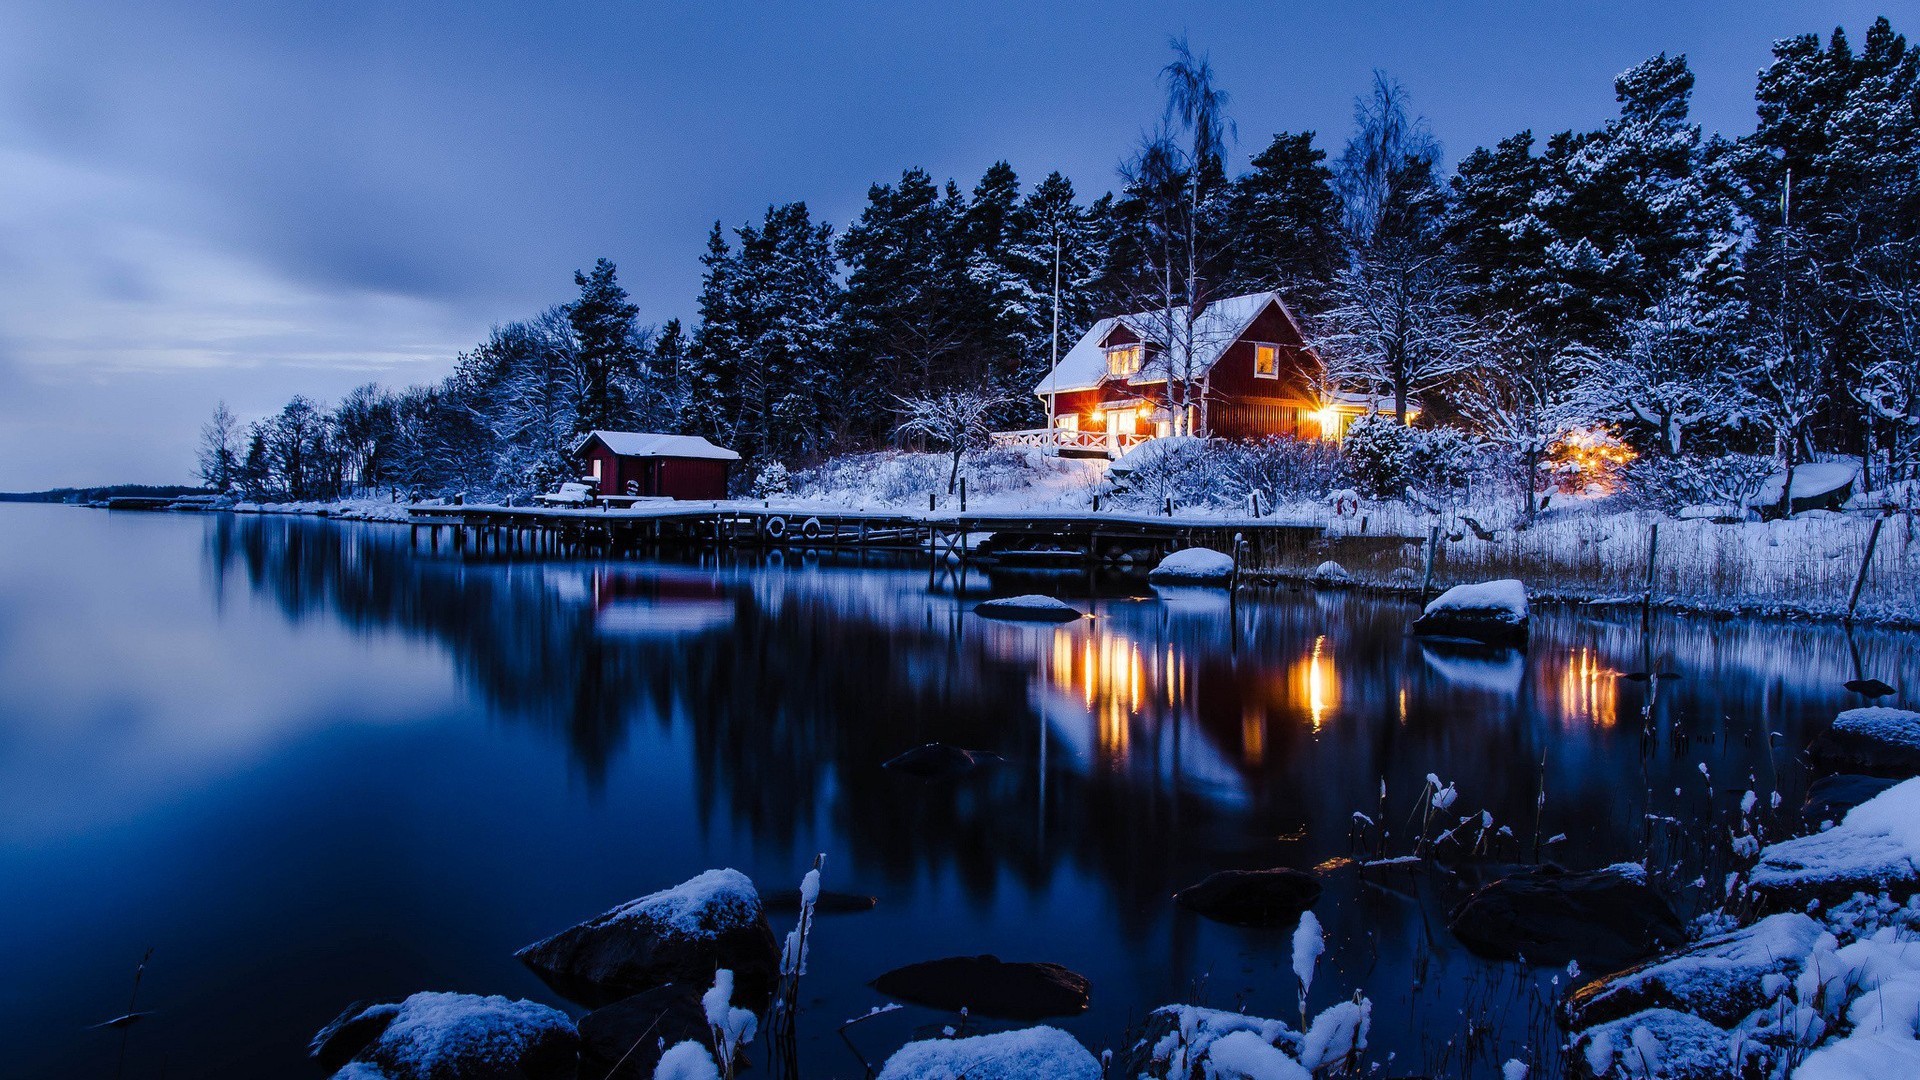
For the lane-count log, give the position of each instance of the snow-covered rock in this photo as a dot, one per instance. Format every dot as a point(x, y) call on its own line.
point(678, 935)
point(1877, 846)
point(1193, 566)
point(1032, 607)
point(1721, 979)
point(1177, 1039)
point(1657, 1043)
point(1876, 741)
point(1007, 1055)
point(1331, 571)
point(623, 1041)
point(1830, 797)
point(1821, 485)
point(436, 1036)
point(1490, 612)
point(990, 986)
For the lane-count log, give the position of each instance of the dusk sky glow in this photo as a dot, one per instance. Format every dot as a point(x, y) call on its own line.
point(244, 201)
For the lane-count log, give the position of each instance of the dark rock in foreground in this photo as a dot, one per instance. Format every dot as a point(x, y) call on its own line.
point(988, 986)
point(1869, 688)
point(1871, 849)
point(1602, 918)
point(937, 761)
point(450, 1037)
point(1251, 897)
point(624, 1041)
point(1490, 613)
point(1876, 740)
point(1719, 980)
point(1830, 797)
point(677, 935)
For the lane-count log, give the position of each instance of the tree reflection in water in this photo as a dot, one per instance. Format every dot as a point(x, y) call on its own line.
point(1164, 738)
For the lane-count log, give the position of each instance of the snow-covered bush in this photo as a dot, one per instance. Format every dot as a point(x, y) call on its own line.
point(1379, 455)
point(1283, 469)
point(1189, 471)
point(1669, 483)
point(772, 481)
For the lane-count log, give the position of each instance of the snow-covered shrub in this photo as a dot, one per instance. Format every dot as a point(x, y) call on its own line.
point(772, 481)
point(1444, 462)
point(1189, 471)
point(1379, 455)
point(1669, 483)
point(1283, 469)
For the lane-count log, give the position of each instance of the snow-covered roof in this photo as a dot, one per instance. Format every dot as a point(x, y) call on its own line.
point(649, 444)
point(1220, 324)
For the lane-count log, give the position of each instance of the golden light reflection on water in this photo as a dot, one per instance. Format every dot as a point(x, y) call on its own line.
point(1589, 690)
point(1315, 685)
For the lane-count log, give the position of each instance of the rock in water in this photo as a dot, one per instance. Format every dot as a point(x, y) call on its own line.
point(1602, 918)
point(677, 935)
point(1251, 897)
point(787, 902)
point(1196, 1029)
point(1030, 608)
point(1876, 740)
point(1869, 688)
point(1689, 1048)
point(1830, 797)
point(1719, 980)
point(451, 1037)
point(1029, 1054)
point(939, 761)
point(1193, 566)
point(1491, 613)
point(988, 986)
point(629, 1033)
point(1877, 846)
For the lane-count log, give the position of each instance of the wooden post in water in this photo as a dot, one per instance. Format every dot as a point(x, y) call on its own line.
point(1653, 551)
point(1433, 546)
point(1860, 580)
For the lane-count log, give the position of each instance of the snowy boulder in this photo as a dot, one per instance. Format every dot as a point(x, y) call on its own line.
point(624, 1040)
point(1193, 566)
point(1490, 613)
point(1830, 797)
point(1251, 897)
point(1719, 980)
point(1006, 1055)
point(1331, 571)
point(1876, 846)
point(678, 935)
point(433, 1036)
point(1817, 485)
point(1656, 1043)
point(1602, 918)
point(938, 761)
point(989, 986)
point(1178, 1038)
point(1875, 740)
point(1030, 608)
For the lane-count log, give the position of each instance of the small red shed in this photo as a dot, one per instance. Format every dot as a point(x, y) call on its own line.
point(648, 465)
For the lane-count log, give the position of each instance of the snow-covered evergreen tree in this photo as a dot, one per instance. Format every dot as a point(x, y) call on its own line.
point(603, 321)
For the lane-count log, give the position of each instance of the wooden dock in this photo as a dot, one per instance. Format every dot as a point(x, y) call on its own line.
point(988, 538)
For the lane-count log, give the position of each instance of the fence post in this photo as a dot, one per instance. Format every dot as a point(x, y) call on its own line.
point(1653, 547)
point(963, 494)
point(1169, 506)
point(930, 498)
point(1433, 545)
point(1860, 581)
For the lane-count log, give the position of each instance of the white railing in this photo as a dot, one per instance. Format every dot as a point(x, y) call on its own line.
point(1057, 439)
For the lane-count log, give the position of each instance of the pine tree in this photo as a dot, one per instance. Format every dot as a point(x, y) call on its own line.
point(603, 330)
point(1285, 222)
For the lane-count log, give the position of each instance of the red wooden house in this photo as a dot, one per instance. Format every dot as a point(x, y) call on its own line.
point(642, 464)
point(1254, 372)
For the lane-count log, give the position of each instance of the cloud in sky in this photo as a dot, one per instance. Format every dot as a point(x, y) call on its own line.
point(204, 200)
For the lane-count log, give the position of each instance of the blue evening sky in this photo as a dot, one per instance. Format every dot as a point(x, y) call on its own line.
point(248, 200)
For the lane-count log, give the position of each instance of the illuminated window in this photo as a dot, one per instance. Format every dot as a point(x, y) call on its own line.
point(596, 468)
point(1125, 360)
point(1067, 421)
point(1266, 361)
point(1121, 422)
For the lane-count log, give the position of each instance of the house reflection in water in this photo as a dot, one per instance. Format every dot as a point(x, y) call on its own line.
point(1315, 687)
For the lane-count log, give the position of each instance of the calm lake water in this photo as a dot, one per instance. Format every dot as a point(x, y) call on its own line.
point(305, 766)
